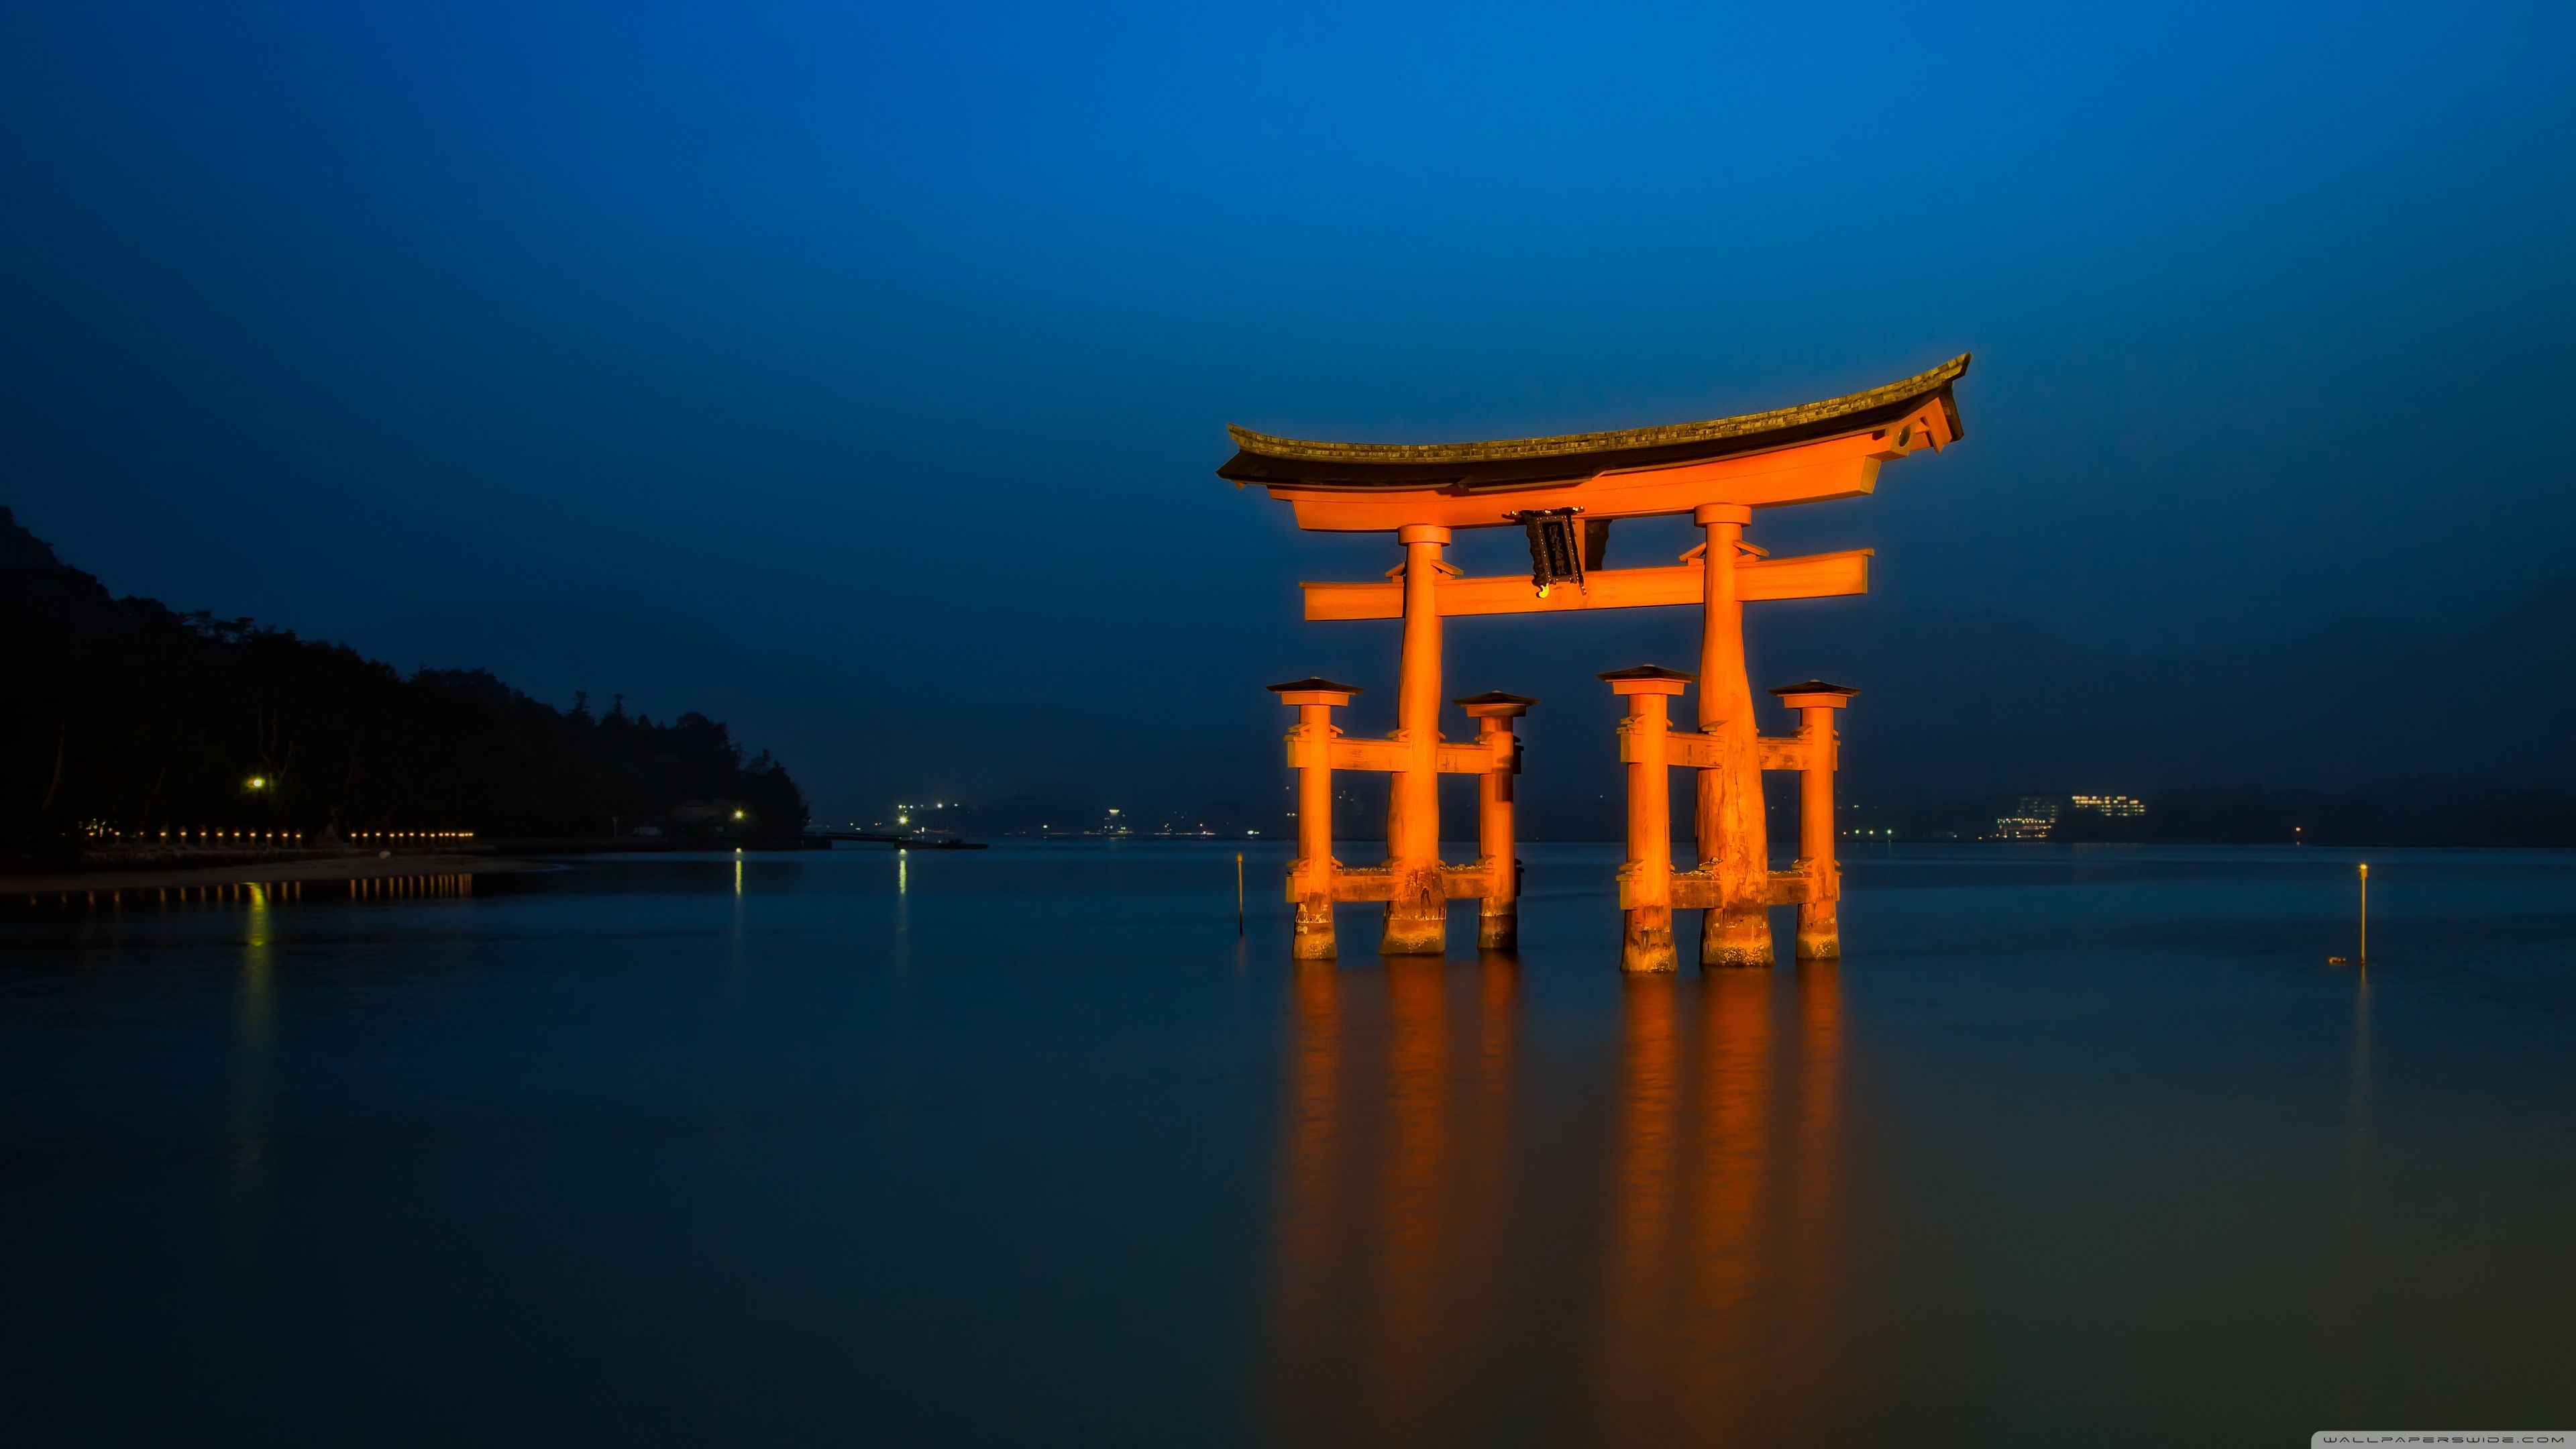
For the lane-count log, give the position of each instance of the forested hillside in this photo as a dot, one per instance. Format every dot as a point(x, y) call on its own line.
point(120, 715)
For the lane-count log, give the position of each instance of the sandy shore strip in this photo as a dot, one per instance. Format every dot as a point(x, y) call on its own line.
point(353, 867)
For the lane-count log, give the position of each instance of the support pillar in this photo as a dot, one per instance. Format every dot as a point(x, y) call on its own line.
point(1498, 916)
point(1820, 934)
point(1310, 875)
point(1646, 881)
point(1728, 818)
point(1417, 916)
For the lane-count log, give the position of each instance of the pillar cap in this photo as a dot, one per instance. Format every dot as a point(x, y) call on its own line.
point(1422, 533)
point(1494, 703)
point(1648, 679)
point(1313, 690)
point(1708, 513)
point(1815, 694)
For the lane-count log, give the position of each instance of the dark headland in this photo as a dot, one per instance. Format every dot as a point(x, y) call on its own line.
point(140, 742)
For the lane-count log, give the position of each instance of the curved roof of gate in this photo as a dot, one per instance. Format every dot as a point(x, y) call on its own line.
point(1520, 462)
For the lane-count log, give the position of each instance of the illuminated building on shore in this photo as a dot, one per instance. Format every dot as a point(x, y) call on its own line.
point(2037, 817)
point(2115, 806)
point(2033, 819)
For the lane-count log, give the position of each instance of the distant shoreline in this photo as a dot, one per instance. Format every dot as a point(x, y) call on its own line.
point(347, 867)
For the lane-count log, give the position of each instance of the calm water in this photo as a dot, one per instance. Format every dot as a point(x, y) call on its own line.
point(2079, 1146)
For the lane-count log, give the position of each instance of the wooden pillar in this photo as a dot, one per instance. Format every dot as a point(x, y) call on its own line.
point(1310, 875)
point(1820, 934)
point(1417, 915)
point(1498, 851)
point(1728, 818)
point(1646, 881)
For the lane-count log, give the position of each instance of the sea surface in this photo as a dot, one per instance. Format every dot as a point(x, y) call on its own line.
point(2077, 1145)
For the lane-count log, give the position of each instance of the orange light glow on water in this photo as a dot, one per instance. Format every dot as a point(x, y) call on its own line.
point(1697, 1297)
point(1391, 1254)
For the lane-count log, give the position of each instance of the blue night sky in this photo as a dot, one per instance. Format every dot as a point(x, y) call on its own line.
point(903, 338)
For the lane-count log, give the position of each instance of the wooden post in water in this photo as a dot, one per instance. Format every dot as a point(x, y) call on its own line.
point(2365, 913)
point(1498, 919)
point(1310, 751)
point(1417, 911)
point(1238, 892)
point(1646, 881)
point(1820, 932)
point(1727, 818)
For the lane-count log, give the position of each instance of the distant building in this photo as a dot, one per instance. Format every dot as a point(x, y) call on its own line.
point(2033, 819)
point(2115, 806)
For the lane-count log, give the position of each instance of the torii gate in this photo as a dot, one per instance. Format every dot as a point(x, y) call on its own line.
point(1718, 472)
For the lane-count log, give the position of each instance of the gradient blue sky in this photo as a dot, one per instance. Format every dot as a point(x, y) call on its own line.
point(329, 312)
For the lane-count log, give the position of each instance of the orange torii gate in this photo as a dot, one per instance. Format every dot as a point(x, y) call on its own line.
point(1718, 472)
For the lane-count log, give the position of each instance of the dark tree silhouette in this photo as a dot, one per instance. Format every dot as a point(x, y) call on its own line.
point(121, 715)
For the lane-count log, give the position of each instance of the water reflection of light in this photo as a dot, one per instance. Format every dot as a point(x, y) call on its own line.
point(1463, 1253)
point(1719, 1283)
point(1410, 1220)
point(248, 1128)
point(407, 887)
point(1643, 1197)
point(1390, 1260)
point(2359, 1267)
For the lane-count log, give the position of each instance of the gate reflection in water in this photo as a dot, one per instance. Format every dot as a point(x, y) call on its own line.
point(1432, 1278)
point(2079, 1146)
